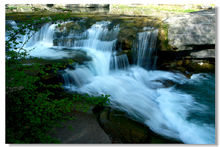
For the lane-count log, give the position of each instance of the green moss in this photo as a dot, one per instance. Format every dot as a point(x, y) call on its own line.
point(163, 37)
point(189, 65)
point(203, 66)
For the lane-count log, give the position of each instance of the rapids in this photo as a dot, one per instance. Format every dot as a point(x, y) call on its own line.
point(138, 88)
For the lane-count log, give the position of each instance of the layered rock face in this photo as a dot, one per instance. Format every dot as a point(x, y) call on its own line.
point(191, 38)
point(192, 29)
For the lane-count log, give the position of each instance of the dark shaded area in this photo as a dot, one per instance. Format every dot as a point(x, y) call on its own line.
point(122, 129)
point(195, 59)
point(49, 5)
point(196, 47)
point(84, 129)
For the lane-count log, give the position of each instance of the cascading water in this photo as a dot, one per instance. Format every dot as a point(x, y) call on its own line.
point(119, 61)
point(133, 89)
point(144, 50)
point(43, 36)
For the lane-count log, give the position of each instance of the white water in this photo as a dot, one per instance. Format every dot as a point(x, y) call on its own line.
point(119, 61)
point(144, 51)
point(133, 89)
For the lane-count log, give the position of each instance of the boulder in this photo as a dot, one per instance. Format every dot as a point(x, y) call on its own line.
point(209, 53)
point(123, 129)
point(83, 129)
point(190, 43)
point(192, 29)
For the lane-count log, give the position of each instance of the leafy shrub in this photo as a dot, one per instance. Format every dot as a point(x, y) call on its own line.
point(32, 105)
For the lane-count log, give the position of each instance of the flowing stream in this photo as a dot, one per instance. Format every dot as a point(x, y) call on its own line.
point(184, 110)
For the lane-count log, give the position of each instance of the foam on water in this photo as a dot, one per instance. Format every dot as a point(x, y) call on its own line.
point(164, 110)
point(133, 89)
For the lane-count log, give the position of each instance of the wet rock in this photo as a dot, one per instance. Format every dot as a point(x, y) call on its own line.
point(166, 83)
point(122, 129)
point(80, 56)
point(125, 43)
point(73, 55)
point(201, 66)
point(188, 66)
point(71, 26)
point(57, 35)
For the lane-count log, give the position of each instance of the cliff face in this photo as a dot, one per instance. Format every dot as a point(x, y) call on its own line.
point(192, 29)
point(191, 41)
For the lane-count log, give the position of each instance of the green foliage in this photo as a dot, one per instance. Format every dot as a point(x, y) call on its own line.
point(148, 9)
point(14, 47)
point(35, 107)
point(11, 8)
point(34, 98)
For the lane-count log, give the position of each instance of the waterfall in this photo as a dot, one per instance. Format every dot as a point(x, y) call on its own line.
point(134, 89)
point(77, 77)
point(119, 61)
point(144, 51)
point(43, 36)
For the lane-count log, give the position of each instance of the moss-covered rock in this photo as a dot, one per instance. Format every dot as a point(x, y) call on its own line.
point(187, 66)
point(122, 129)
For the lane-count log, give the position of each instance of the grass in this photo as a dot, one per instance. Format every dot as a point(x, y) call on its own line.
point(170, 8)
point(148, 9)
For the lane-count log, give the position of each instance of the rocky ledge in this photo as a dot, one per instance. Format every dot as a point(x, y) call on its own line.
point(191, 42)
point(197, 28)
point(105, 125)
